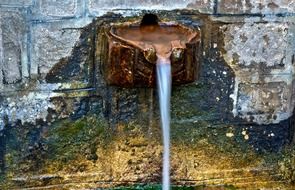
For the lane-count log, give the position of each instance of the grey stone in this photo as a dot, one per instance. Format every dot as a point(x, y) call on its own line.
point(26, 108)
point(16, 2)
point(260, 53)
point(45, 9)
point(204, 6)
point(14, 33)
point(99, 7)
point(251, 44)
point(264, 102)
point(52, 42)
point(253, 6)
point(1, 57)
point(293, 96)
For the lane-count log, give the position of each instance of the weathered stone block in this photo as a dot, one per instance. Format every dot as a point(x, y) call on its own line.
point(254, 6)
point(14, 36)
point(262, 47)
point(50, 44)
point(1, 58)
point(27, 108)
point(264, 102)
point(53, 43)
point(204, 6)
point(16, 2)
point(293, 95)
point(99, 7)
point(260, 55)
point(45, 9)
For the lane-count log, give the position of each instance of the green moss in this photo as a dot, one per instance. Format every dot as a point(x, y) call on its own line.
point(287, 164)
point(186, 101)
point(70, 140)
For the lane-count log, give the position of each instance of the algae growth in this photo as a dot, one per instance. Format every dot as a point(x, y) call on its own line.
point(87, 150)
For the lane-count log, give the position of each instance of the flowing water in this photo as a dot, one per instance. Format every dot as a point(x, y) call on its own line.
point(164, 91)
point(163, 39)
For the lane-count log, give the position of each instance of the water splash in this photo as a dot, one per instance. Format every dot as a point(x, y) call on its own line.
point(164, 91)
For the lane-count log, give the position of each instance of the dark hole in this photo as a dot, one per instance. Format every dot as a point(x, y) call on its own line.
point(149, 19)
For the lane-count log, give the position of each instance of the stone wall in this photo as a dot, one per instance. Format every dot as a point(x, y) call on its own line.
point(50, 61)
point(258, 46)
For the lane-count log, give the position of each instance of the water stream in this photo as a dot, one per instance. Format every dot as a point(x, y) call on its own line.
point(163, 39)
point(164, 91)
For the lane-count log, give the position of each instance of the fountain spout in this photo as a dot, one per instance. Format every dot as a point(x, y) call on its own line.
point(132, 50)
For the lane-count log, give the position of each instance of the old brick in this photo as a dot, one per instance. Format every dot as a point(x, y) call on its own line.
point(256, 7)
point(99, 7)
point(13, 26)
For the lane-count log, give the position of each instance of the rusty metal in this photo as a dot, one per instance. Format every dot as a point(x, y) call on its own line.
point(126, 64)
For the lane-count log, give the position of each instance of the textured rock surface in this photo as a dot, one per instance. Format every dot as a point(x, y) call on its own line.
point(99, 7)
point(14, 31)
point(54, 49)
point(238, 112)
point(268, 102)
point(58, 8)
point(1, 57)
point(253, 6)
point(261, 56)
point(17, 2)
point(79, 64)
point(27, 108)
point(80, 151)
point(254, 44)
point(52, 42)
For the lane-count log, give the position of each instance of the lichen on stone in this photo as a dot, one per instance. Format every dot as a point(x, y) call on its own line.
point(287, 164)
point(261, 56)
point(26, 108)
point(257, 43)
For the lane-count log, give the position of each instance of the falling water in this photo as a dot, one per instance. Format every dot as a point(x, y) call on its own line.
point(164, 91)
point(163, 39)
